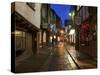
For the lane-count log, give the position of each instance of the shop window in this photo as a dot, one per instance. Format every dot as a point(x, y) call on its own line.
point(20, 40)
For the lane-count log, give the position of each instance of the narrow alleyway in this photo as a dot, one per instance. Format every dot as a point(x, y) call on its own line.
point(49, 59)
point(58, 57)
point(53, 37)
point(58, 60)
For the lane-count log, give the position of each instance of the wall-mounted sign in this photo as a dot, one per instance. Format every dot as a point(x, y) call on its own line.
point(53, 28)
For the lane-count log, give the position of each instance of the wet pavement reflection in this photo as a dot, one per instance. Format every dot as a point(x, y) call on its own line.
point(55, 58)
point(82, 60)
point(58, 60)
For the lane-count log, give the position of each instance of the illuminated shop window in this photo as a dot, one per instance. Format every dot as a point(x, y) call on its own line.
point(20, 40)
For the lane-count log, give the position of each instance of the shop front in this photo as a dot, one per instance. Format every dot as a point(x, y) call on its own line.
point(88, 42)
point(25, 37)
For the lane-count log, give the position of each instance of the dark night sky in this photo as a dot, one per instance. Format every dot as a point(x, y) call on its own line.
point(61, 10)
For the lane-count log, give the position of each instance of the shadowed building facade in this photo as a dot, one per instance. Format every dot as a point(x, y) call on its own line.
point(25, 29)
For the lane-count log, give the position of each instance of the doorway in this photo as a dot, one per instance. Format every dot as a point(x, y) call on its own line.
point(34, 42)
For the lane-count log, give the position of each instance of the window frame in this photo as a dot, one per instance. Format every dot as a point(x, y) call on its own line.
point(21, 36)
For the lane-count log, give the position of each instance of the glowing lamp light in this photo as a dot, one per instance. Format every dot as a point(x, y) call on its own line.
point(72, 31)
point(69, 14)
point(61, 31)
point(54, 37)
point(17, 32)
point(51, 37)
point(72, 14)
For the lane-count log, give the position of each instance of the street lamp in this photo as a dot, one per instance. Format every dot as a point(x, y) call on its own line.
point(70, 14)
